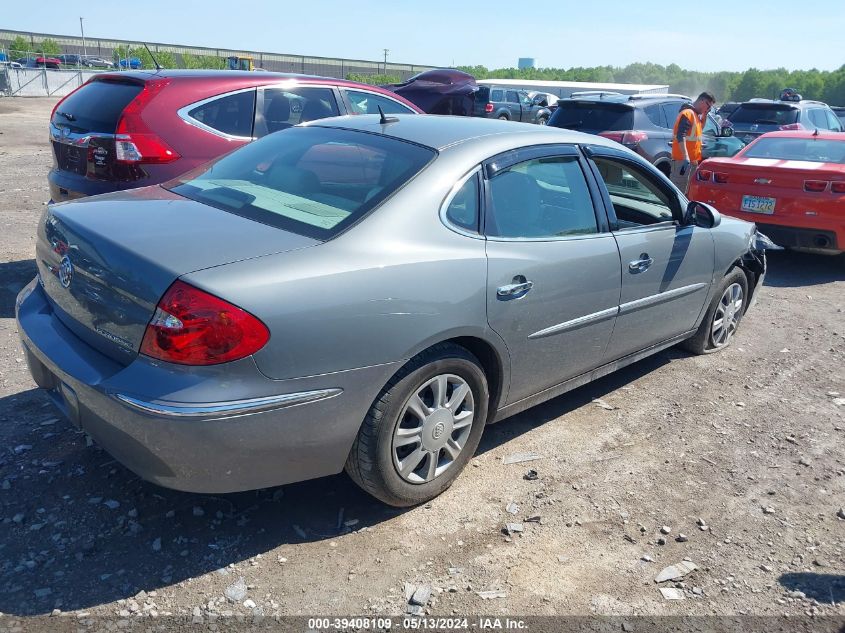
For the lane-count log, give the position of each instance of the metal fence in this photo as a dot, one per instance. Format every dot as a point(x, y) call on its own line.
point(107, 49)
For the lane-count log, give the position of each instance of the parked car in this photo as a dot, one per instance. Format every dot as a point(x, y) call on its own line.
point(642, 123)
point(50, 63)
point(130, 129)
point(133, 63)
point(791, 183)
point(95, 61)
point(341, 294)
point(754, 118)
point(544, 99)
point(70, 59)
point(726, 109)
point(840, 114)
point(508, 104)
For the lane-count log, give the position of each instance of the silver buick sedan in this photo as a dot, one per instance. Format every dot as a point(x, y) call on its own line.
point(368, 293)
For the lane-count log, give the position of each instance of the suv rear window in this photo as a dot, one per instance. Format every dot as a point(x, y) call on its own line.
point(764, 113)
point(96, 106)
point(588, 116)
point(309, 180)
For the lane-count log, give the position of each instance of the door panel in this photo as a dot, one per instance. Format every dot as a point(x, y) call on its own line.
point(667, 268)
point(553, 278)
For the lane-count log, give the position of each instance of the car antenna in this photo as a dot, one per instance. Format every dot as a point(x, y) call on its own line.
point(157, 65)
point(385, 119)
point(816, 133)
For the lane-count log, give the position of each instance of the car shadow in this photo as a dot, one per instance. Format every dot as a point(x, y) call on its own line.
point(13, 277)
point(824, 588)
point(790, 269)
point(80, 530)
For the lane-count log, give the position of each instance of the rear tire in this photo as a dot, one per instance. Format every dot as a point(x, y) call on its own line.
point(503, 117)
point(423, 428)
point(723, 315)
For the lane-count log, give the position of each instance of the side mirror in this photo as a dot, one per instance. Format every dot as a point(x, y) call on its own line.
point(726, 131)
point(703, 215)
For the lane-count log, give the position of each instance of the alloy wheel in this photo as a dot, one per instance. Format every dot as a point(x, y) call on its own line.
point(727, 315)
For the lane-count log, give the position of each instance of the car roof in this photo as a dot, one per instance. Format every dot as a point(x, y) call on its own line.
point(441, 132)
point(633, 101)
point(807, 134)
point(262, 77)
point(793, 104)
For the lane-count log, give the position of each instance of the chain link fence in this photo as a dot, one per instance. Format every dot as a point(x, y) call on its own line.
point(22, 71)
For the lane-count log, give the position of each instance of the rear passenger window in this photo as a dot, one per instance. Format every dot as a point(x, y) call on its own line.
point(513, 97)
point(670, 111)
point(497, 95)
point(544, 197)
point(833, 122)
point(285, 108)
point(231, 114)
point(368, 103)
point(463, 208)
point(653, 114)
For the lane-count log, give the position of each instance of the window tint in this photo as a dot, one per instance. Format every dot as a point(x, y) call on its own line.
point(368, 103)
point(818, 118)
point(96, 106)
point(310, 180)
point(767, 114)
point(637, 200)
point(587, 116)
point(284, 108)
point(653, 114)
point(815, 150)
point(497, 95)
point(231, 114)
point(670, 111)
point(545, 197)
point(513, 97)
point(463, 209)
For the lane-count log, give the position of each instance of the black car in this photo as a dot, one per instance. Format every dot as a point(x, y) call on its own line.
point(642, 123)
point(509, 104)
point(758, 116)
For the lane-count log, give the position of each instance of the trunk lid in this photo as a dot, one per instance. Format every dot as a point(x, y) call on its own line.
point(104, 262)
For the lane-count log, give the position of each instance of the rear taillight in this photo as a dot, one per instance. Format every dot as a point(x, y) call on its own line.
point(792, 126)
point(628, 137)
point(815, 186)
point(192, 327)
point(837, 187)
point(719, 176)
point(704, 175)
point(134, 141)
point(488, 107)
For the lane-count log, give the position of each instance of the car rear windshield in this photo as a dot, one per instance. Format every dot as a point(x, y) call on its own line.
point(309, 180)
point(813, 150)
point(764, 114)
point(593, 117)
point(96, 106)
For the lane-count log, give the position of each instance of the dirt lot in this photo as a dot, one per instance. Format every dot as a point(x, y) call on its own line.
point(748, 442)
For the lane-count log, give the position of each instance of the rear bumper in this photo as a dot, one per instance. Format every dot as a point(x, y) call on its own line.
point(804, 237)
point(198, 429)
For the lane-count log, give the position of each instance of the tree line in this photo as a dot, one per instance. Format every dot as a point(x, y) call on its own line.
point(827, 86)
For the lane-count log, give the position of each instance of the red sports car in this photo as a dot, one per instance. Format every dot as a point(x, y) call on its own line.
point(791, 184)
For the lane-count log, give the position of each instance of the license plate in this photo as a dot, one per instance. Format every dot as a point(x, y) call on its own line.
point(758, 204)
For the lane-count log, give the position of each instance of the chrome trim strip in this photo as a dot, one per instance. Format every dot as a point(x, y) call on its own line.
point(227, 409)
point(75, 139)
point(595, 317)
point(660, 298)
point(182, 113)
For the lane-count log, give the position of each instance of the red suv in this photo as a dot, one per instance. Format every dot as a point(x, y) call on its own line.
point(130, 129)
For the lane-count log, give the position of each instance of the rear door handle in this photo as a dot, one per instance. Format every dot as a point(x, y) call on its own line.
point(640, 265)
point(514, 290)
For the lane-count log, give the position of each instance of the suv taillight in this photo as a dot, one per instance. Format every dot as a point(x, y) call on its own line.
point(488, 107)
point(134, 141)
point(791, 126)
point(192, 327)
point(628, 137)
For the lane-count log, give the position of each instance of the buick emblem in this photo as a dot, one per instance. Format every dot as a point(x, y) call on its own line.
point(66, 272)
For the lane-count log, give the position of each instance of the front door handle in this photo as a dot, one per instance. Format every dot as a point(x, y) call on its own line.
point(517, 289)
point(640, 265)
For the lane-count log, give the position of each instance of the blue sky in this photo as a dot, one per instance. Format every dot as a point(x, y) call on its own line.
point(704, 36)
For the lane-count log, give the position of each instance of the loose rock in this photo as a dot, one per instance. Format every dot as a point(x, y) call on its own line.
point(675, 572)
point(236, 592)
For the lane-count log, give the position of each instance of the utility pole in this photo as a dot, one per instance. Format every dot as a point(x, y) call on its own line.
point(386, 51)
point(82, 30)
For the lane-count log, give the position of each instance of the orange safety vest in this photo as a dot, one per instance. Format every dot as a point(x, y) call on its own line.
point(693, 138)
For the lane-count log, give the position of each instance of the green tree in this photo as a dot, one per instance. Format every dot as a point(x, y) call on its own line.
point(19, 47)
point(48, 48)
point(375, 80)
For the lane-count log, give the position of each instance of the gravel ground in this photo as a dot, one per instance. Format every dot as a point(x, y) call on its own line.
point(737, 454)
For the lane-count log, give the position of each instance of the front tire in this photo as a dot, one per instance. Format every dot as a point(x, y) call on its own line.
point(423, 428)
point(542, 121)
point(722, 317)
